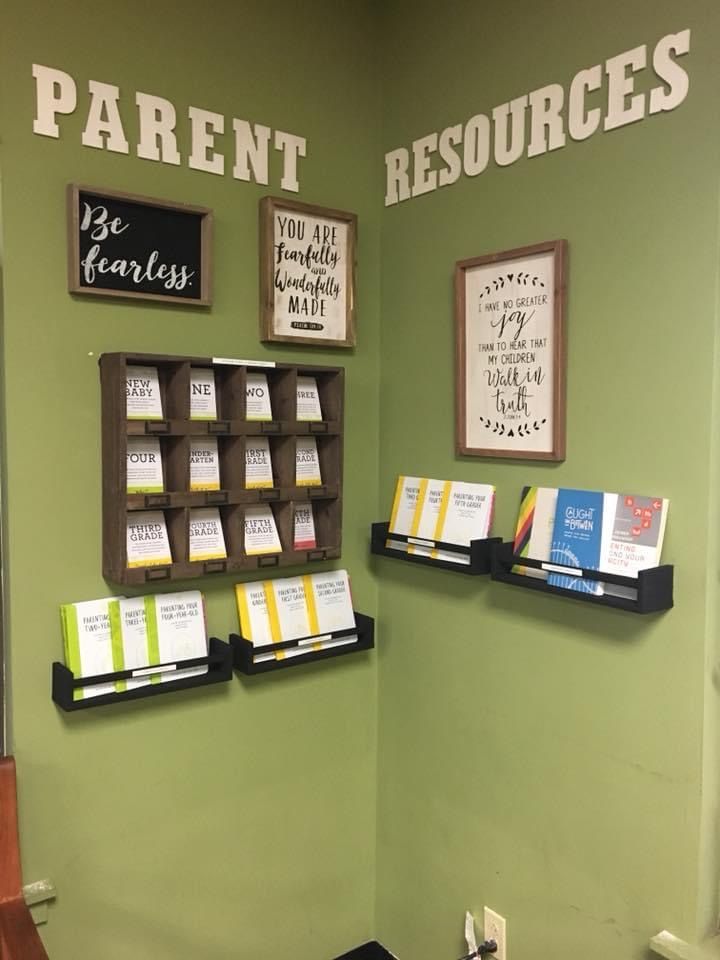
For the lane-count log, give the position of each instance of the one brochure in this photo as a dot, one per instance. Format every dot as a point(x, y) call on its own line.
point(128, 625)
point(308, 400)
point(258, 463)
point(333, 602)
point(203, 402)
point(257, 397)
point(206, 540)
point(176, 631)
point(291, 604)
point(534, 529)
point(142, 386)
point(427, 521)
point(144, 465)
point(466, 513)
point(407, 491)
point(577, 537)
point(259, 617)
point(261, 535)
point(307, 463)
point(147, 539)
point(632, 536)
point(88, 643)
point(304, 527)
point(204, 463)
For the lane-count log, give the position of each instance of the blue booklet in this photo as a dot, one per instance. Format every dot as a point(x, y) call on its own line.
point(576, 539)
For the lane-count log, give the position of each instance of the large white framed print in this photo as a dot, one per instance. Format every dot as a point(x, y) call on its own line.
point(510, 353)
point(307, 273)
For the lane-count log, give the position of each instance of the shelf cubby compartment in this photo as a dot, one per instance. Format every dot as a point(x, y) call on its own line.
point(338, 644)
point(650, 592)
point(233, 432)
point(219, 662)
point(479, 551)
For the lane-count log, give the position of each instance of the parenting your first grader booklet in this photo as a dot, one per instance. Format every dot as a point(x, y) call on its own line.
point(577, 538)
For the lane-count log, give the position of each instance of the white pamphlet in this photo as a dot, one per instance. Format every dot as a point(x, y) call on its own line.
point(465, 515)
point(203, 402)
point(88, 643)
point(258, 464)
point(128, 625)
point(176, 631)
point(534, 529)
point(304, 527)
point(144, 465)
point(206, 540)
point(307, 463)
point(308, 399)
point(261, 535)
point(633, 529)
point(204, 463)
point(257, 397)
point(142, 387)
point(147, 539)
point(292, 608)
point(407, 491)
point(333, 601)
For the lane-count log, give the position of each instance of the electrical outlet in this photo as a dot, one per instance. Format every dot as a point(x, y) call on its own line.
point(495, 930)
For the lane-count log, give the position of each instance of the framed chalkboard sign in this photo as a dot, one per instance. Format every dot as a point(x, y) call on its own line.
point(123, 245)
point(307, 273)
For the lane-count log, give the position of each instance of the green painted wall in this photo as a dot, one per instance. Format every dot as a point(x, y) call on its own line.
point(223, 822)
point(544, 757)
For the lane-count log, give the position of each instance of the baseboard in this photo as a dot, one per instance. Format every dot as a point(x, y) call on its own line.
point(368, 951)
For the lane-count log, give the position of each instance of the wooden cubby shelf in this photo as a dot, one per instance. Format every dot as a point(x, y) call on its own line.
point(336, 644)
point(650, 592)
point(219, 662)
point(233, 431)
point(479, 552)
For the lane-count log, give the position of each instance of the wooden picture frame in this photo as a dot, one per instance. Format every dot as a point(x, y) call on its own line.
point(305, 302)
point(169, 250)
point(511, 353)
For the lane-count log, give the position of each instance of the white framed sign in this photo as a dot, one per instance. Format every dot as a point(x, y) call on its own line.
point(307, 273)
point(510, 353)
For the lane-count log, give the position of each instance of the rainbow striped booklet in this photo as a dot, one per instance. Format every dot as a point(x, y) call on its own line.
point(449, 511)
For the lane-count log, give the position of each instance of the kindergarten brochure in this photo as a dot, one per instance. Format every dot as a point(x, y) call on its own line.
point(142, 387)
point(577, 535)
point(204, 463)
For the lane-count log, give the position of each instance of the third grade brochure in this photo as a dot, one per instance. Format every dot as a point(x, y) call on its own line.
point(147, 539)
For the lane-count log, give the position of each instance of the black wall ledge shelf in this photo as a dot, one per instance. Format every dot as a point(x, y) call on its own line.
point(218, 662)
point(652, 588)
point(244, 653)
point(479, 551)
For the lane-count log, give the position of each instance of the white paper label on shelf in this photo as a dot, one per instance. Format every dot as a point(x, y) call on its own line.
point(244, 363)
point(150, 670)
point(309, 640)
point(421, 543)
point(570, 571)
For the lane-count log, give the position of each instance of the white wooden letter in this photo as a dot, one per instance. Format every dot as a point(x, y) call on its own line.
point(103, 119)
point(448, 139)
point(668, 70)
point(292, 147)
point(476, 145)
point(507, 153)
point(205, 125)
point(620, 87)
point(157, 129)
point(546, 124)
point(581, 123)
point(424, 179)
point(55, 92)
point(396, 176)
point(251, 150)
